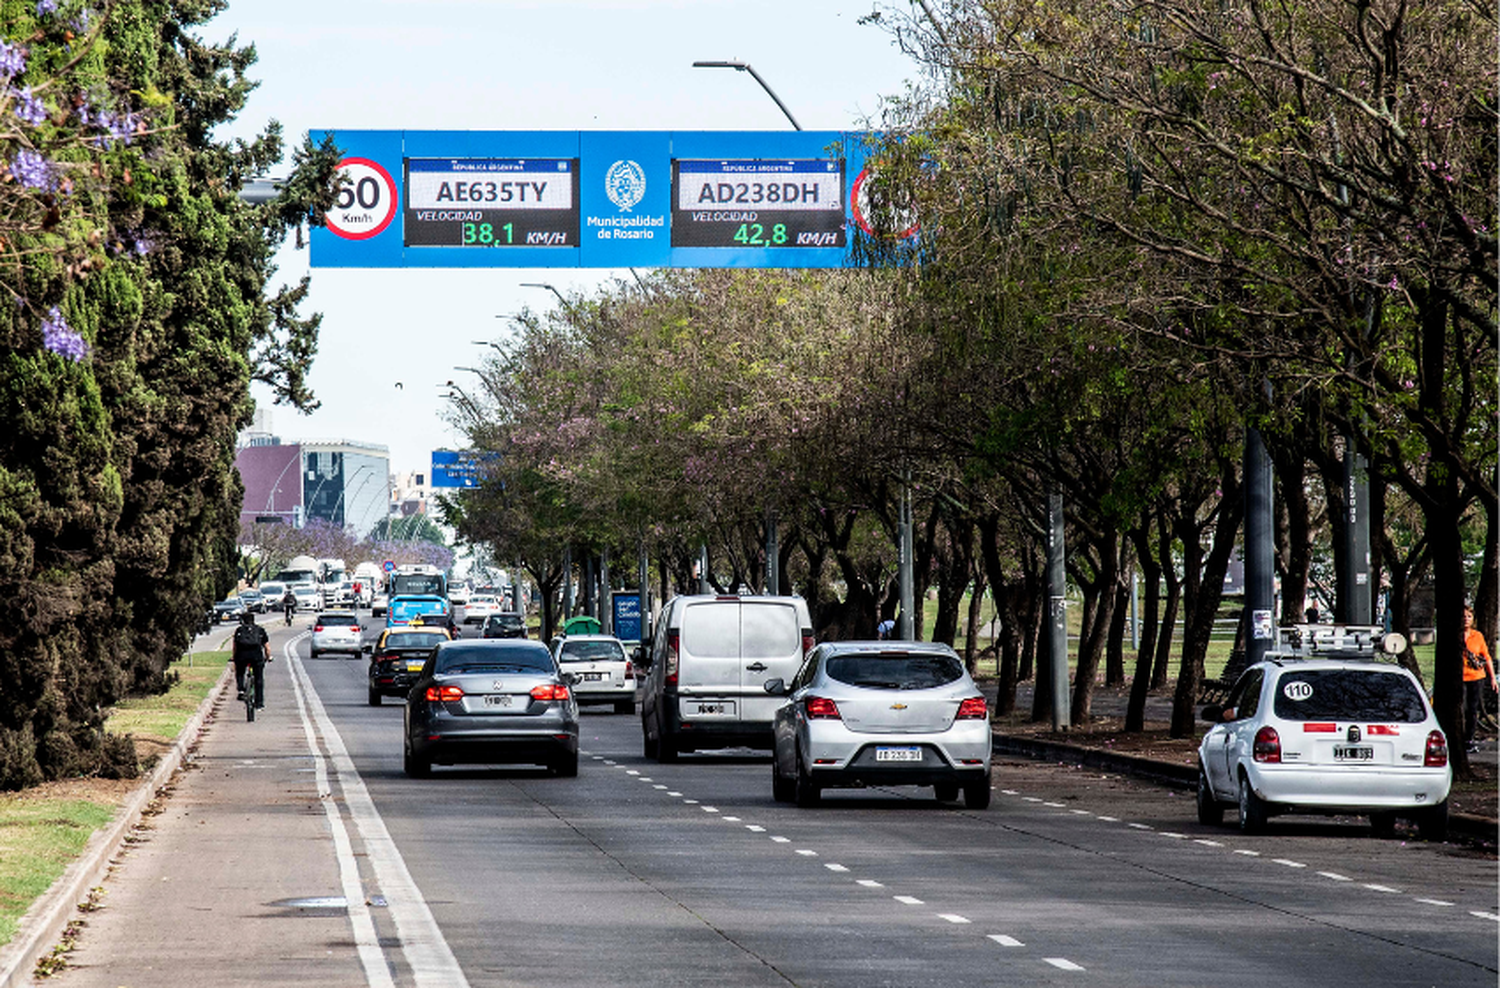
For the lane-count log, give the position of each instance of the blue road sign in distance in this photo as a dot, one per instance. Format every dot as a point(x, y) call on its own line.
point(775, 199)
point(453, 468)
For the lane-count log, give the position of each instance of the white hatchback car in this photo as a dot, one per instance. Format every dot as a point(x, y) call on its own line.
point(479, 607)
point(601, 672)
point(1322, 726)
point(881, 713)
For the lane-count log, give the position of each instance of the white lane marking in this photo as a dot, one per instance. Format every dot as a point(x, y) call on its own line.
point(670, 793)
point(1435, 902)
point(1335, 876)
point(731, 819)
point(1063, 963)
point(835, 867)
point(1010, 792)
point(1168, 833)
point(1110, 819)
point(1248, 854)
point(754, 828)
point(1475, 912)
point(597, 758)
point(1082, 812)
point(610, 761)
point(643, 778)
point(1206, 842)
point(691, 802)
point(1060, 806)
point(631, 771)
point(658, 786)
point(1005, 941)
point(1382, 888)
point(953, 918)
point(1288, 863)
point(909, 900)
point(869, 883)
point(366, 940)
point(1032, 799)
point(806, 853)
point(782, 840)
point(1141, 826)
point(706, 809)
point(427, 954)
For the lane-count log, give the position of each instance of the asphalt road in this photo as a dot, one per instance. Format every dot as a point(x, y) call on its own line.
point(689, 874)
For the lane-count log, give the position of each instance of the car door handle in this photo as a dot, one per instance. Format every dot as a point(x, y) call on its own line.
point(756, 667)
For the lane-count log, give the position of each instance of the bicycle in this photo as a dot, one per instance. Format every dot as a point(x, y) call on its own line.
point(249, 691)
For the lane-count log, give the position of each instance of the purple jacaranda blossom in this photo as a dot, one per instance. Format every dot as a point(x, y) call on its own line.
point(30, 109)
point(80, 24)
point(12, 60)
point(45, 7)
point(32, 170)
point(57, 337)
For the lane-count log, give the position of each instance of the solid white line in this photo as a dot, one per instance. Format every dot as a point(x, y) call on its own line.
point(909, 900)
point(953, 918)
point(1335, 876)
point(427, 954)
point(1063, 963)
point(366, 940)
point(1435, 902)
point(1005, 941)
point(1382, 888)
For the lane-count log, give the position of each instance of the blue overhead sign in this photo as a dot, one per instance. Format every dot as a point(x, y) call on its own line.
point(597, 199)
point(451, 468)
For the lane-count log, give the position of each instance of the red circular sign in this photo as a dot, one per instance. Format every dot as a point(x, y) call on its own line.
point(366, 204)
point(859, 203)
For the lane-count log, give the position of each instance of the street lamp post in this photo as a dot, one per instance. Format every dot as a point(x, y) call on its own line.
point(739, 66)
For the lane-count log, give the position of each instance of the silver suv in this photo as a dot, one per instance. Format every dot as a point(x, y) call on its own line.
point(710, 659)
point(601, 672)
point(1322, 726)
point(337, 632)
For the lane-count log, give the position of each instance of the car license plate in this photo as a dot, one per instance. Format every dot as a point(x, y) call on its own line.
point(898, 754)
point(1352, 753)
point(498, 700)
point(712, 709)
point(595, 677)
point(414, 666)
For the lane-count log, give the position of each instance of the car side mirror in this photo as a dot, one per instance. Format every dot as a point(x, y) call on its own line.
point(571, 678)
point(1213, 713)
point(775, 687)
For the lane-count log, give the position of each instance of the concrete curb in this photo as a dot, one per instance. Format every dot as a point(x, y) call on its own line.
point(1176, 776)
point(43, 925)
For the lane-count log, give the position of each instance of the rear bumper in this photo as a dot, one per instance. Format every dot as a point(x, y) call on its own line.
point(1351, 789)
point(510, 747)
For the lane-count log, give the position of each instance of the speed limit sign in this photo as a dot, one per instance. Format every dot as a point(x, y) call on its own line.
point(366, 203)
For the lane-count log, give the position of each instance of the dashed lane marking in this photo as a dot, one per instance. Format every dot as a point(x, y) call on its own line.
point(954, 918)
point(807, 853)
point(869, 883)
point(1289, 863)
point(1483, 915)
point(1004, 940)
point(755, 828)
point(834, 867)
point(1435, 902)
point(1335, 876)
point(1063, 963)
point(782, 840)
point(909, 900)
point(1381, 888)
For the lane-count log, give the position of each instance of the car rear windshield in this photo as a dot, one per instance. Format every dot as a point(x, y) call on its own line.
point(895, 672)
point(327, 619)
point(592, 652)
point(504, 620)
point(1348, 694)
point(734, 630)
point(480, 658)
point(420, 639)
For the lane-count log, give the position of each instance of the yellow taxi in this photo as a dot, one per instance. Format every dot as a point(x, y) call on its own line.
point(398, 656)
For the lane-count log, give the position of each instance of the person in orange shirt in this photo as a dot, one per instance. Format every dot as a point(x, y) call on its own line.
point(1478, 667)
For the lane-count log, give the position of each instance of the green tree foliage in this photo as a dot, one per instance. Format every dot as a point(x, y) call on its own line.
point(146, 277)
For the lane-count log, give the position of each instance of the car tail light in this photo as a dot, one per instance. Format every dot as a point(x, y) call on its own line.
point(1320, 728)
point(1437, 750)
point(973, 708)
point(438, 694)
point(630, 670)
point(821, 708)
point(1383, 729)
point(317, 627)
point(1268, 745)
point(672, 646)
point(807, 641)
point(552, 691)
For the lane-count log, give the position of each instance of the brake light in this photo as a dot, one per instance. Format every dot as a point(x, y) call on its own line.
point(1437, 750)
point(807, 641)
point(974, 708)
point(439, 694)
point(1313, 728)
point(317, 627)
point(553, 691)
point(630, 670)
point(821, 708)
point(1383, 729)
point(1267, 745)
point(672, 645)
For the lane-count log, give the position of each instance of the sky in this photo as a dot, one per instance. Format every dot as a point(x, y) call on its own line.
point(514, 65)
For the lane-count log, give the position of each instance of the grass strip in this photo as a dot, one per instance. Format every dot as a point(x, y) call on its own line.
point(43, 830)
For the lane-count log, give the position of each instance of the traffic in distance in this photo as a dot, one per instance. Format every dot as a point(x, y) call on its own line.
point(1327, 723)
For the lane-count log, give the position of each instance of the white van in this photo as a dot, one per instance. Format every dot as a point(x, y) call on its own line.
point(710, 658)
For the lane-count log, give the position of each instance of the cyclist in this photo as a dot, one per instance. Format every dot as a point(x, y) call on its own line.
point(289, 604)
point(252, 650)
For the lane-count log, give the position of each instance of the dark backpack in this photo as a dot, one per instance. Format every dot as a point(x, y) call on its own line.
point(247, 639)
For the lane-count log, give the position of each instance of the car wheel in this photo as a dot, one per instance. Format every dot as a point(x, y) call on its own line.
point(946, 792)
point(1210, 810)
point(1432, 823)
point(666, 749)
point(805, 792)
point(566, 766)
point(312, 653)
point(626, 707)
point(1383, 824)
point(977, 794)
point(1253, 813)
point(374, 697)
point(416, 768)
point(783, 790)
point(649, 746)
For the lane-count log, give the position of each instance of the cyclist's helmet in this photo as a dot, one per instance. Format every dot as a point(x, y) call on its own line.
point(247, 618)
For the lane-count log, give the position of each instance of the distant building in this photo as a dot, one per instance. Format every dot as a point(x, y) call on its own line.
point(412, 491)
point(341, 481)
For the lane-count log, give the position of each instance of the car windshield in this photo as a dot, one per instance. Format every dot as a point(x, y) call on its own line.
point(595, 651)
point(1348, 694)
point(894, 672)
point(535, 658)
point(418, 639)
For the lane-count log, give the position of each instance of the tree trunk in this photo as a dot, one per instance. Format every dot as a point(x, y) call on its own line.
point(971, 622)
point(1205, 589)
point(1091, 643)
point(1140, 686)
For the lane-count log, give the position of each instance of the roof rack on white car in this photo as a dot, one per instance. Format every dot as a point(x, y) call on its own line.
point(1336, 641)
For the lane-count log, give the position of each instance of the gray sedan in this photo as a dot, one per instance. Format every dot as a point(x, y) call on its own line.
point(487, 701)
point(881, 713)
